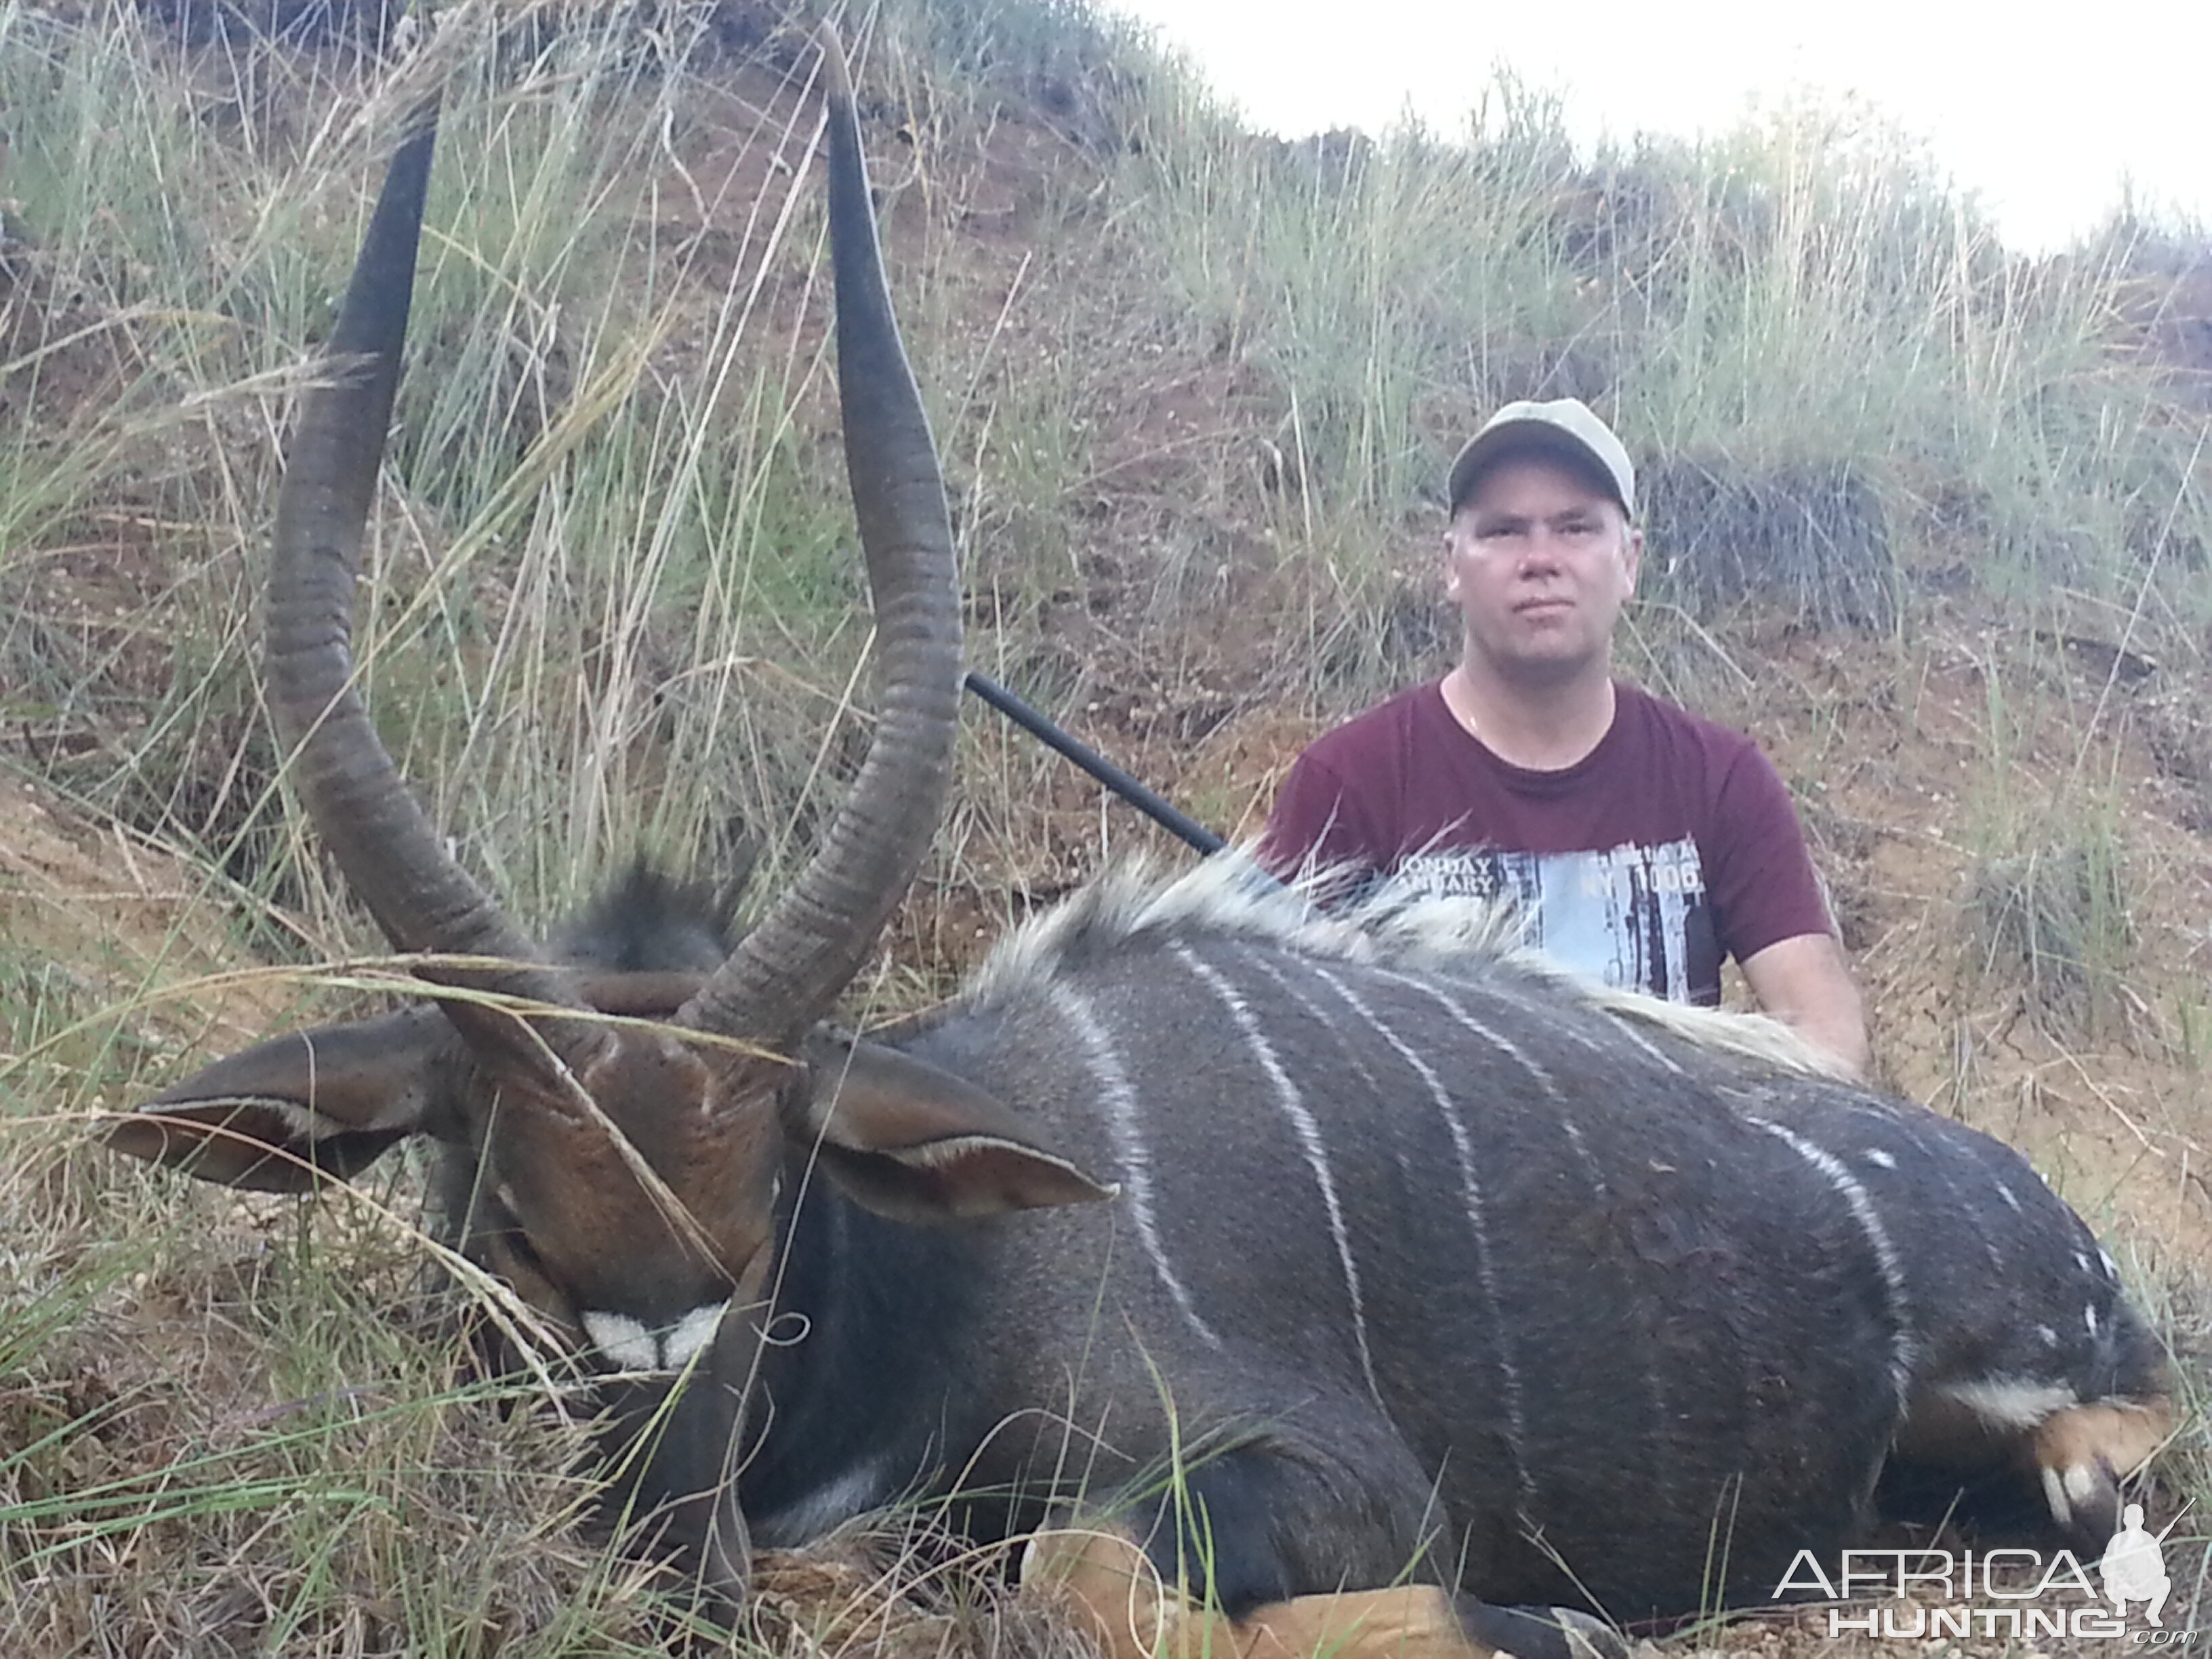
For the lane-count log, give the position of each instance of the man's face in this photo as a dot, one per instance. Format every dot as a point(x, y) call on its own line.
point(1539, 560)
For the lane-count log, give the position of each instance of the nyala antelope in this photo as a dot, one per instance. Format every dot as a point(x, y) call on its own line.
point(1290, 1280)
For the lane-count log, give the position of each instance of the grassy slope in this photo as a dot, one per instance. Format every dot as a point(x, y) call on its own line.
point(1936, 521)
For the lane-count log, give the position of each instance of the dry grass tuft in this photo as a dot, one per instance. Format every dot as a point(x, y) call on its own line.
point(1810, 540)
point(2056, 925)
point(891, 1587)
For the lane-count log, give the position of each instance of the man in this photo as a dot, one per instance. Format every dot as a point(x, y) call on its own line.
point(1643, 842)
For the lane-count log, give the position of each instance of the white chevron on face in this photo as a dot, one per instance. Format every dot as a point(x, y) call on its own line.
point(629, 1344)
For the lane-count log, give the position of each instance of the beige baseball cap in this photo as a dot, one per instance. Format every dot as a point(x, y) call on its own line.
point(1564, 424)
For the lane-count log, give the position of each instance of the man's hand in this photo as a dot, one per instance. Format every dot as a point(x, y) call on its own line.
point(1805, 983)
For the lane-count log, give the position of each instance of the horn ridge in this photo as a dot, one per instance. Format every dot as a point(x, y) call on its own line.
point(392, 858)
point(791, 966)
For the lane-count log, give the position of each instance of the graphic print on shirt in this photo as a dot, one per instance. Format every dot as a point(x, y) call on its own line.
point(1632, 916)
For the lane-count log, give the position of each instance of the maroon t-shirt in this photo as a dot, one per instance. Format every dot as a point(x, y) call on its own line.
point(1670, 845)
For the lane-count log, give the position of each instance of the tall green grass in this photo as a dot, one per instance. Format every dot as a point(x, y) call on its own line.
point(560, 495)
point(1805, 290)
point(618, 526)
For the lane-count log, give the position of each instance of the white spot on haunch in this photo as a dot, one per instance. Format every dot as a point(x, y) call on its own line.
point(629, 1345)
point(2008, 1195)
point(1118, 1096)
point(1309, 1142)
point(2011, 1402)
point(2089, 1318)
point(1880, 1159)
point(2112, 1268)
point(2082, 1261)
point(2048, 1337)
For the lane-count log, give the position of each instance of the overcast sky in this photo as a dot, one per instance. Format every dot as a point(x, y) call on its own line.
point(2043, 119)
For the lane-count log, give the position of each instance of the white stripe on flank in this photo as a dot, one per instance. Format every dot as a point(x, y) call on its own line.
point(1571, 1028)
point(1568, 1024)
point(1931, 1157)
point(1581, 1151)
point(1320, 1017)
point(1546, 1011)
point(1308, 1133)
point(1496, 1039)
point(1936, 1162)
point(1648, 1046)
point(1862, 1210)
point(1118, 1097)
point(1486, 1273)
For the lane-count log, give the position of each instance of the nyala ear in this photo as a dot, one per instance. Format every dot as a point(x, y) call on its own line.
point(308, 1106)
point(915, 1143)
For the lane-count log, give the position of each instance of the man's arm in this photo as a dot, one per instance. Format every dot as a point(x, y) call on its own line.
point(1805, 983)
